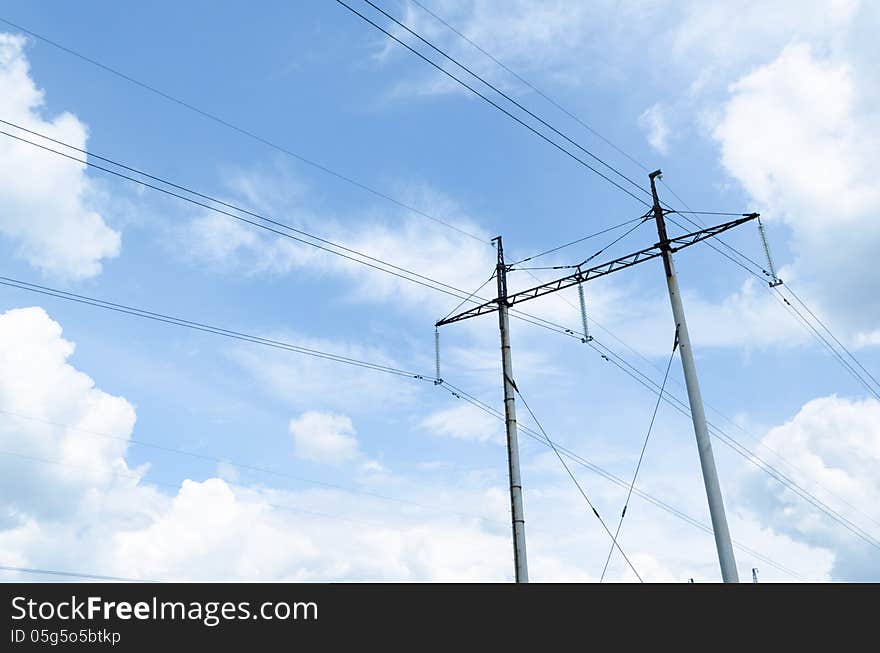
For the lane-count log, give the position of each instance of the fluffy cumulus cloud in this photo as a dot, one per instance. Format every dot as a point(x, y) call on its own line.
point(324, 437)
point(65, 479)
point(47, 203)
point(50, 410)
point(832, 447)
point(798, 135)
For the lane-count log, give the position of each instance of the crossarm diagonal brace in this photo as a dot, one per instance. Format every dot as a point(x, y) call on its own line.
point(582, 276)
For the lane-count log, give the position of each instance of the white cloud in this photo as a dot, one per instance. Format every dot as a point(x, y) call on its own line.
point(404, 240)
point(46, 202)
point(40, 389)
point(797, 135)
point(464, 422)
point(115, 523)
point(832, 447)
point(324, 437)
point(654, 123)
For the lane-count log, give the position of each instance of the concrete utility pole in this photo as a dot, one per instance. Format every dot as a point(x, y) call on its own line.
point(516, 503)
point(698, 414)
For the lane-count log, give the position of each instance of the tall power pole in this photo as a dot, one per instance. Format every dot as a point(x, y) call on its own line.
point(516, 502)
point(698, 414)
point(504, 301)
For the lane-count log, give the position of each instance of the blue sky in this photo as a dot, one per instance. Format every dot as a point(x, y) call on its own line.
point(777, 119)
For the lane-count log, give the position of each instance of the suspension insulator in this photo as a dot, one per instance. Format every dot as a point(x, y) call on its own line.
point(437, 379)
point(587, 337)
point(771, 268)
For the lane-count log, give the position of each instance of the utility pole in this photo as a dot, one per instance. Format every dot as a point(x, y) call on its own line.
point(504, 301)
point(516, 503)
point(698, 414)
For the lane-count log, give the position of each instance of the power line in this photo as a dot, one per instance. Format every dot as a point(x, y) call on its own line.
point(641, 457)
point(504, 95)
point(241, 130)
point(736, 251)
point(414, 277)
point(204, 196)
point(828, 331)
point(470, 296)
point(207, 328)
point(530, 85)
point(744, 452)
point(494, 104)
point(640, 220)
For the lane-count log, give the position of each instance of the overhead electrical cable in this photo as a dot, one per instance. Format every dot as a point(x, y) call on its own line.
point(487, 99)
point(458, 392)
point(529, 84)
point(506, 96)
point(244, 132)
point(321, 243)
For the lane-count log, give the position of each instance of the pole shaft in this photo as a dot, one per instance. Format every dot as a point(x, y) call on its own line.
point(516, 500)
point(704, 444)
